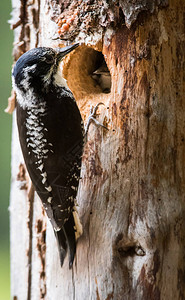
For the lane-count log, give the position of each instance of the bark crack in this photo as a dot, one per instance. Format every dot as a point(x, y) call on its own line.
point(24, 34)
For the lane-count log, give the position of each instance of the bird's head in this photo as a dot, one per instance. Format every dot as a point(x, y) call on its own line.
point(37, 67)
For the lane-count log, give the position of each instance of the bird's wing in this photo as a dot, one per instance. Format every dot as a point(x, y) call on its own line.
point(54, 166)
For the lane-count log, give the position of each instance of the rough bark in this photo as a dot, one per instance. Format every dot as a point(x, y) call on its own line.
point(131, 197)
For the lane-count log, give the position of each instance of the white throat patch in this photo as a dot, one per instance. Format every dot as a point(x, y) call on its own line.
point(58, 78)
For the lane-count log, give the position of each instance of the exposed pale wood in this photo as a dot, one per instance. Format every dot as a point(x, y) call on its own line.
point(131, 196)
point(19, 234)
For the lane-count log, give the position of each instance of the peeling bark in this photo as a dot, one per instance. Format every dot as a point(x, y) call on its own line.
point(131, 195)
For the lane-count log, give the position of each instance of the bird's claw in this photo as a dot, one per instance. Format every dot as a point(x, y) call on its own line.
point(92, 118)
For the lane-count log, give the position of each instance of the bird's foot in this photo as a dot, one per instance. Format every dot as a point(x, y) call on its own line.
point(92, 118)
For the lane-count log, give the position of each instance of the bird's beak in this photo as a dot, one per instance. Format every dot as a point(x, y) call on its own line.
point(61, 52)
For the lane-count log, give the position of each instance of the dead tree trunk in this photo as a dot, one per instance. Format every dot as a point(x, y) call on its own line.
point(132, 192)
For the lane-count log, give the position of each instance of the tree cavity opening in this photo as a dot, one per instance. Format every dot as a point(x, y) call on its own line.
point(87, 74)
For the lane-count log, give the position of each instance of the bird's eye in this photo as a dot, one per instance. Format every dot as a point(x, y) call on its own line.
point(48, 59)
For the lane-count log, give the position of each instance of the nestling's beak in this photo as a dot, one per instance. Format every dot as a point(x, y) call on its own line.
point(61, 52)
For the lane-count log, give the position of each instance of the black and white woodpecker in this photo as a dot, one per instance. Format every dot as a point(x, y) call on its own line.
point(51, 134)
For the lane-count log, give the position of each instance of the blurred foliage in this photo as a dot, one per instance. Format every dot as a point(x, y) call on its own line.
point(4, 273)
point(6, 37)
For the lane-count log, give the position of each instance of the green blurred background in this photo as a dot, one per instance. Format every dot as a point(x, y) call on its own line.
point(6, 39)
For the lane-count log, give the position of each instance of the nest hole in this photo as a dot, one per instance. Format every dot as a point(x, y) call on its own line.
point(87, 75)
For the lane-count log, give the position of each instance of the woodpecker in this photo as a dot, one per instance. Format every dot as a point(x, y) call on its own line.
point(51, 133)
point(102, 77)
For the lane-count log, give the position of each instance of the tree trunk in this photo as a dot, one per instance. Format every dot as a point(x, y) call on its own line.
point(131, 196)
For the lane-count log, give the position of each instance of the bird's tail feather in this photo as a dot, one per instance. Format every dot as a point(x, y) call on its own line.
point(62, 245)
point(69, 228)
point(66, 238)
